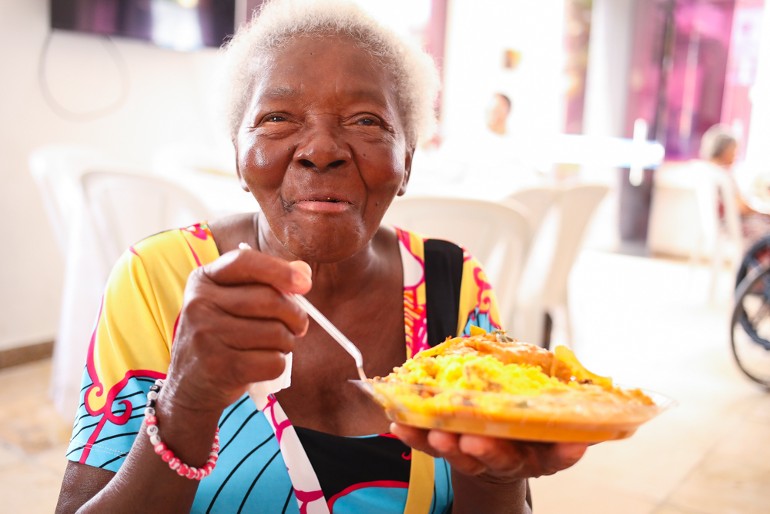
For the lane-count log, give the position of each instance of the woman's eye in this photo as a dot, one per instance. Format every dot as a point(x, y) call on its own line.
point(368, 121)
point(274, 118)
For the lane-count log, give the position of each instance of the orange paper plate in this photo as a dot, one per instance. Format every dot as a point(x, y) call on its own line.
point(575, 416)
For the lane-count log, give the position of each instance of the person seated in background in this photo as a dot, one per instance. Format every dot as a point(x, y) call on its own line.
point(498, 111)
point(179, 409)
point(485, 159)
point(719, 148)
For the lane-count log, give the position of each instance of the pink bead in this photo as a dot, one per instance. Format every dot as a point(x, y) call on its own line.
point(166, 455)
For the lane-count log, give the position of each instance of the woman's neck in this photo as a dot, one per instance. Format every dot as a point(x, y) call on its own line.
point(370, 264)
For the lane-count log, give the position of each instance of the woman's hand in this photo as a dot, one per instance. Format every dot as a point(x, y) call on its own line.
point(235, 327)
point(491, 459)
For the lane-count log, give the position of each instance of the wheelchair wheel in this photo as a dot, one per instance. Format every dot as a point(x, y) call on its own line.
point(756, 257)
point(750, 333)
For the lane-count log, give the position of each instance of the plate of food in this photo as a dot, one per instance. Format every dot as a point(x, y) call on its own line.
point(489, 384)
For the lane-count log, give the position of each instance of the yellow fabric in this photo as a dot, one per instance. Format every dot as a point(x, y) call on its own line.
point(476, 292)
point(420, 494)
point(113, 363)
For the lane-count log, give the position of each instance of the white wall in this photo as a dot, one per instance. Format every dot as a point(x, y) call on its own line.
point(168, 100)
point(477, 34)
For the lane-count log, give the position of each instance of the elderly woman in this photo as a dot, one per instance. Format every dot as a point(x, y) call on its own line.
point(719, 148)
point(178, 412)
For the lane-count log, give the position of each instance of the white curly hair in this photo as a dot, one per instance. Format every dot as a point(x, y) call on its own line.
point(413, 72)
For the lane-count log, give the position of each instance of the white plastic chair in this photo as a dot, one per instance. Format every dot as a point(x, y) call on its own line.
point(56, 170)
point(720, 239)
point(126, 207)
point(685, 218)
point(544, 289)
point(498, 235)
point(537, 200)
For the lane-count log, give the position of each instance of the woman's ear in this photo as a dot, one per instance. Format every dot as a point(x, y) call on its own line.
point(407, 170)
point(244, 186)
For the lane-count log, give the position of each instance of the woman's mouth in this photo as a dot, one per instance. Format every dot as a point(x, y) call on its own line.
point(322, 204)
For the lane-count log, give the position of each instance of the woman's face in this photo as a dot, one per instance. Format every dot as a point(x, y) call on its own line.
point(322, 147)
point(727, 157)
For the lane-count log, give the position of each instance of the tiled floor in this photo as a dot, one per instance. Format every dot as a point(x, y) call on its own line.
point(651, 323)
point(646, 322)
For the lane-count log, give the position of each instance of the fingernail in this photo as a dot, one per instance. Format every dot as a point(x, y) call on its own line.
point(572, 451)
point(301, 274)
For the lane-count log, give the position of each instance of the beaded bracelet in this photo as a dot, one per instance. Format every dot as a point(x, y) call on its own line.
point(168, 456)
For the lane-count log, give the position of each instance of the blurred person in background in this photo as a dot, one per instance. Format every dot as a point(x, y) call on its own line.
point(486, 160)
point(498, 111)
point(719, 148)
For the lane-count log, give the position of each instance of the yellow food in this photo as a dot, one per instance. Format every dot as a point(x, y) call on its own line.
point(488, 376)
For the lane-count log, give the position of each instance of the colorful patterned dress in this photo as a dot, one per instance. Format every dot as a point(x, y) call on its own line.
point(131, 346)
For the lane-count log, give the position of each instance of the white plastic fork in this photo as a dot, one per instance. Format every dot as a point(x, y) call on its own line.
point(327, 325)
point(333, 331)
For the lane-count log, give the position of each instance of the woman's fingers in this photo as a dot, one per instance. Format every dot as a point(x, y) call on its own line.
point(246, 266)
point(492, 457)
point(438, 444)
point(448, 446)
point(497, 456)
point(227, 304)
point(236, 324)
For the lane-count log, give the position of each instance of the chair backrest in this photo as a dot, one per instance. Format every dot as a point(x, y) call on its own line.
point(538, 201)
point(577, 205)
point(574, 209)
point(554, 250)
point(714, 187)
point(56, 170)
point(498, 235)
point(126, 207)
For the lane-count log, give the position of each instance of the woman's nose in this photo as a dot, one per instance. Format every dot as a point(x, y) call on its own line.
point(323, 147)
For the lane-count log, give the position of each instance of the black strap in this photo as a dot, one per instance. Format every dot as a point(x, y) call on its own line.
point(443, 276)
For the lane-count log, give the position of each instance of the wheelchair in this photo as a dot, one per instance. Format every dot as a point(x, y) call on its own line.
point(750, 324)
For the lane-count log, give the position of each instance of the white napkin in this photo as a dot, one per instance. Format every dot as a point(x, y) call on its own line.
point(267, 387)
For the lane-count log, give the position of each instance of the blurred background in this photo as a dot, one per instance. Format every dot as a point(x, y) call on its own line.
point(611, 92)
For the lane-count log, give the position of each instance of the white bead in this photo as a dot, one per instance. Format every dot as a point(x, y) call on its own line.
point(152, 430)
